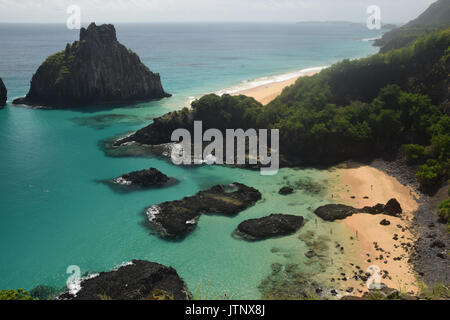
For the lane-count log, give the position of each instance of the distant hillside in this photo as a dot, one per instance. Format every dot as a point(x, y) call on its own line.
point(436, 17)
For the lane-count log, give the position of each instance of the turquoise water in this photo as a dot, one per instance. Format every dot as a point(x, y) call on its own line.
point(54, 212)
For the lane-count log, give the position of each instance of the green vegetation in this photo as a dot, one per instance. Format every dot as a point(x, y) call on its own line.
point(435, 18)
point(18, 294)
point(356, 109)
point(60, 63)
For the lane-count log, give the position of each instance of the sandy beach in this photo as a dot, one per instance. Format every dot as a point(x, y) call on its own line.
point(268, 92)
point(372, 244)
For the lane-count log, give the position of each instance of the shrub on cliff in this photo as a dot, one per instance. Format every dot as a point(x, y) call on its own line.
point(19, 294)
point(430, 174)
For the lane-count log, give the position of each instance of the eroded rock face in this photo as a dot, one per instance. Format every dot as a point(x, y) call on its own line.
point(275, 225)
point(175, 219)
point(95, 70)
point(333, 212)
point(3, 94)
point(139, 280)
point(144, 179)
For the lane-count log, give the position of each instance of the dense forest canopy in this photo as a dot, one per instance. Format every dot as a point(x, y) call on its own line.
point(435, 18)
point(356, 109)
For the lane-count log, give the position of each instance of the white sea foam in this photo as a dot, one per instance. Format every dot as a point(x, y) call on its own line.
point(193, 221)
point(372, 39)
point(122, 181)
point(245, 85)
point(152, 212)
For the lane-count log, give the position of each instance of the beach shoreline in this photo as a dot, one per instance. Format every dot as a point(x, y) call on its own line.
point(267, 92)
point(370, 244)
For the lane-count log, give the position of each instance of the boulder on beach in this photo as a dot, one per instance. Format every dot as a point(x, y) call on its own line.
point(137, 280)
point(3, 94)
point(96, 70)
point(175, 219)
point(275, 225)
point(332, 212)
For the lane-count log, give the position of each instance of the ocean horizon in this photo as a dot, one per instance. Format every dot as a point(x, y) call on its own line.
point(54, 162)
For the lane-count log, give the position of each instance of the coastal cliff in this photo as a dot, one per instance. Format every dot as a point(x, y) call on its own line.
point(95, 70)
point(3, 94)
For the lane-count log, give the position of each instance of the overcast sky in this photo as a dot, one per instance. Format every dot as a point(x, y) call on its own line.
point(209, 10)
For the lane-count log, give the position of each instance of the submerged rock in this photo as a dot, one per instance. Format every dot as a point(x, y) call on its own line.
point(95, 70)
point(274, 225)
point(3, 94)
point(138, 280)
point(286, 191)
point(176, 219)
point(144, 179)
point(333, 212)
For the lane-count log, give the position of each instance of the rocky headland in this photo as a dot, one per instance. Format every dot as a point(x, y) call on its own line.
point(96, 70)
point(138, 280)
point(275, 225)
point(175, 219)
point(3, 94)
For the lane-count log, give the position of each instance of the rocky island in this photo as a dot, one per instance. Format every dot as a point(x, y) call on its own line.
point(274, 225)
point(137, 280)
point(143, 179)
point(96, 70)
point(3, 94)
point(175, 219)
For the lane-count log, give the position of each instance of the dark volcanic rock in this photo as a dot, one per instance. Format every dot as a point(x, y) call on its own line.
point(274, 225)
point(136, 281)
point(160, 131)
point(392, 207)
point(96, 70)
point(385, 222)
point(176, 219)
point(144, 179)
point(3, 94)
point(333, 212)
point(286, 190)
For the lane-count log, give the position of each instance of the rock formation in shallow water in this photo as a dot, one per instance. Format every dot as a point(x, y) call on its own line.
point(139, 280)
point(274, 225)
point(96, 70)
point(333, 212)
point(3, 94)
point(144, 179)
point(175, 219)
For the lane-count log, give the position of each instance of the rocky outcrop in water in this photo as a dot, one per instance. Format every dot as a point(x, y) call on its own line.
point(160, 131)
point(95, 70)
point(275, 225)
point(175, 219)
point(138, 280)
point(286, 191)
point(144, 179)
point(332, 212)
point(3, 94)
